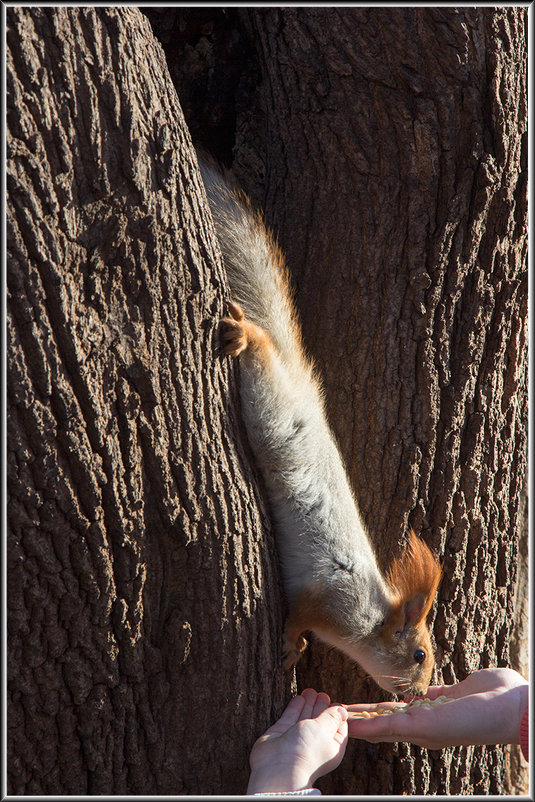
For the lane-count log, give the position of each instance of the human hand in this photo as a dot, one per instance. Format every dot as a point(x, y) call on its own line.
point(486, 708)
point(308, 741)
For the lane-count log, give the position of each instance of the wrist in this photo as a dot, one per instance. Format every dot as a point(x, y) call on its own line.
point(523, 704)
point(271, 780)
point(517, 703)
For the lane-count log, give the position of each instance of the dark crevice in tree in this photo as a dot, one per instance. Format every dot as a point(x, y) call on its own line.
point(213, 65)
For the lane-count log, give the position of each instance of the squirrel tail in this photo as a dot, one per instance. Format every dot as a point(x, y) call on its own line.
point(255, 267)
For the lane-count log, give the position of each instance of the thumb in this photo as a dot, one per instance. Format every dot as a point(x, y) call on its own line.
point(338, 720)
point(334, 715)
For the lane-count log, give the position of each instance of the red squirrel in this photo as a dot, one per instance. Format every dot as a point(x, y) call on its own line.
point(333, 584)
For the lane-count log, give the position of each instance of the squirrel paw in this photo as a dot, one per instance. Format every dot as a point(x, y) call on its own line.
point(293, 651)
point(233, 332)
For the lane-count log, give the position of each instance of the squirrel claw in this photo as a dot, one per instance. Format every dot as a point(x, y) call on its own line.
point(232, 335)
point(235, 311)
point(237, 333)
point(293, 652)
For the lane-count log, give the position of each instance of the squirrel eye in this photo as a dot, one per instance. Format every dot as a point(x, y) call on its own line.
point(419, 655)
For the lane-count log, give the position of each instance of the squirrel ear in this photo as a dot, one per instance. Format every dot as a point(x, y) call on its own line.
point(413, 579)
point(406, 613)
point(413, 609)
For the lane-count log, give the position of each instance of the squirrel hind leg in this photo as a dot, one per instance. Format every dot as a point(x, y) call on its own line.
point(296, 623)
point(233, 333)
point(237, 334)
point(293, 649)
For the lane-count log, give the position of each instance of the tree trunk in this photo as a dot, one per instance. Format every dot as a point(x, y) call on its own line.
point(388, 148)
point(395, 153)
point(144, 605)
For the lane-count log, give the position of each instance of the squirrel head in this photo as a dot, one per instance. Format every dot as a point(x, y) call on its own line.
point(413, 580)
point(403, 657)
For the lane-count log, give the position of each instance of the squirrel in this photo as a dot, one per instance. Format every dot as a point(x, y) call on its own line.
point(332, 581)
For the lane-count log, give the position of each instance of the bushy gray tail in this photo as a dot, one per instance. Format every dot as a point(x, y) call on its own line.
point(255, 268)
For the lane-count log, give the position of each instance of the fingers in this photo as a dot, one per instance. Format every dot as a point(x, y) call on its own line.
point(482, 681)
point(371, 708)
point(335, 717)
point(307, 704)
point(426, 726)
point(402, 725)
point(322, 703)
point(342, 733)
point(372, 729)
point(310, 696)
point(434, 691)
point(313, 705)
point(292, 713)
point(337, 713)
point(471, 684)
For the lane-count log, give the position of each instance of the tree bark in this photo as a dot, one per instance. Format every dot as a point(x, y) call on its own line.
point(144, 605)
point(395, 155)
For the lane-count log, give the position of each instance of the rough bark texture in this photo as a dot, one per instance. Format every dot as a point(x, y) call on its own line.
point(388, 148)
point(144, 606)
point(397, 185)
